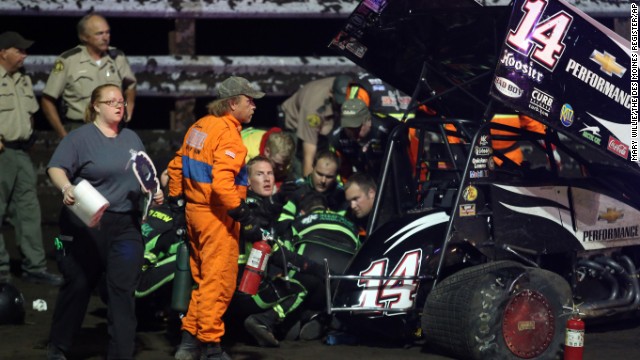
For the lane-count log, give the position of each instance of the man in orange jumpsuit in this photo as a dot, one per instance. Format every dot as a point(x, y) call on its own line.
point(209, 172)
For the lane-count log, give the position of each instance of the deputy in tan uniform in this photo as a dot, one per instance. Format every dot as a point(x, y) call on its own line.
point(312, 111)
point(18, 195)
point(80, 70)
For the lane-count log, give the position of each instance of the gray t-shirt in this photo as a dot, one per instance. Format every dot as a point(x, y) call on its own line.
point(86, 153)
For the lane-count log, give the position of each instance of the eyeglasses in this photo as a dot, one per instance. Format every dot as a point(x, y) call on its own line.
point(113, 103)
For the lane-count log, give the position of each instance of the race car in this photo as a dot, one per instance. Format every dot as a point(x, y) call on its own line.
point(488, 257)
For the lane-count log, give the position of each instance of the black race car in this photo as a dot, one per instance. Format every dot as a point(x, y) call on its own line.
point(489, 261)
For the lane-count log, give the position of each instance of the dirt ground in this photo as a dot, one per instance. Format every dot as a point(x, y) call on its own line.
point(155, 341)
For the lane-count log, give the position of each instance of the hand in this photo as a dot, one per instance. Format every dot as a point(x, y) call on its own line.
point(158, 197)
point(68, 198)
point(241, 214)
point(289, 187)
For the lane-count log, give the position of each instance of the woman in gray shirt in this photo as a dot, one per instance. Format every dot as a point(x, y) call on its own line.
point(99, 152)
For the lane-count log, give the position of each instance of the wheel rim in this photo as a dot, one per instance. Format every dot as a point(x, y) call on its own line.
point(528, 325)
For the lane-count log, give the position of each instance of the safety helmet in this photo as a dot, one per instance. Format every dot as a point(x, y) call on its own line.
point(11, 305)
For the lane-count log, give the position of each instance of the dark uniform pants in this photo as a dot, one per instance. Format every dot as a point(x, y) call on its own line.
point(115, 248)
point(18, 196)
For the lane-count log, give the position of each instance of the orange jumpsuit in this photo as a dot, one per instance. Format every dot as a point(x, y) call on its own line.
point(209, 171)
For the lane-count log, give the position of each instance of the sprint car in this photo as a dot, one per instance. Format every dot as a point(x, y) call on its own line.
point(488, 261)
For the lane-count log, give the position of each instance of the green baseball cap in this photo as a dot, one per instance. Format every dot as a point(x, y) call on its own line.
point(9, 39)
point(339, 88)
point(235, 85)
point(354, 113)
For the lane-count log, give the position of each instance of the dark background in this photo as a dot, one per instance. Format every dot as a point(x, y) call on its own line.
point(214, 37)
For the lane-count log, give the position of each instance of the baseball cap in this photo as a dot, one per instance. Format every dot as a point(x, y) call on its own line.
point(236, 85)
point(354, 113)
point(339, 88)
point(9, 39)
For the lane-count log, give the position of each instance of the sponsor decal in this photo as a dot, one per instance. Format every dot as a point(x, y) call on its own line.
point(566, 115)
point(470, 193)
point(480, 163)
point(525, 68)
point(468, 210)
point(598, 83)
point(591, 133)
point(617, 147)
point(624, 232)
point(483, 150)
point(507, 87)
point(478, 174)
point(484, 140)
point(611, 215)
point(608, 64)
point(540, 102)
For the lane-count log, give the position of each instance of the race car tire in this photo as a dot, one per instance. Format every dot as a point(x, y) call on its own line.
point(500, 310)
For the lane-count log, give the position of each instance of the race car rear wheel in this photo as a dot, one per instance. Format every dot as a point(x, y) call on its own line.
point(500, 310)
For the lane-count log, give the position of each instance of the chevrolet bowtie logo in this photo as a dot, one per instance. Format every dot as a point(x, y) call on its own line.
point(608, 63)
point(611, 215)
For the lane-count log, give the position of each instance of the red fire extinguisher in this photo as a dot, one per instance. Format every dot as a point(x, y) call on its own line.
point(256, 264)
point(574, 340)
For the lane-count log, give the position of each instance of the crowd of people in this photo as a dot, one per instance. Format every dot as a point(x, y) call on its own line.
point(308, 183)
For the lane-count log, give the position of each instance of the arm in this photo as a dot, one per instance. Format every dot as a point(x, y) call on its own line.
point(60, 180)
point(51, 113)
point(308, 153)
point(130, 96)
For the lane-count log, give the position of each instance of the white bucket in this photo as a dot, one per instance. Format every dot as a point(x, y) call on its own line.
point(89, 205)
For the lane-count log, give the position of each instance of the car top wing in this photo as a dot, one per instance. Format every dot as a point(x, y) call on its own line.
point(565, 69)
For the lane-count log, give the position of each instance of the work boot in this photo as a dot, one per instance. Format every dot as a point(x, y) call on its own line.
point(42, 277)
point(189, 348)
point(55, 353)
point(260, 326)
point(213, 351)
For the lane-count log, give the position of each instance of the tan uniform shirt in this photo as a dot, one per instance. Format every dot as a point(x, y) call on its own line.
point(17, 105)
point(75, 75)
point(308, 112)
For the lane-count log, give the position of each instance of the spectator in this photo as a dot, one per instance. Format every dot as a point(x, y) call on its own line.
point(276, 146)
point(78, 71)
point(18, 191)
point(99, 153)
point(360, 192)
point(361, 139)
point(208, 170)
point(313, 112)
point(322, 180)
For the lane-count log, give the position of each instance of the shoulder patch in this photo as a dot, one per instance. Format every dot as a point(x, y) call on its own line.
point(71, 52)
point(314, 120)
point(230, 154)
point(58, 66)
point(114, 53)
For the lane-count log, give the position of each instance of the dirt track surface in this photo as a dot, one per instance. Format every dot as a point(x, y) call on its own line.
point(617, 341)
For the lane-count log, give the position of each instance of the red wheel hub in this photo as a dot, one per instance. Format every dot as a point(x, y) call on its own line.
point(528, 325)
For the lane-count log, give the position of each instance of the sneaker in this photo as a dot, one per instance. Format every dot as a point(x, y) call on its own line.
point(54, 353)
point(189, 348)
point(213, 351)
point(5, 277)
point(42, 277)
point(260, 331)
